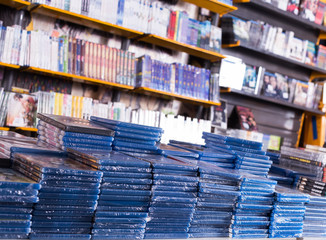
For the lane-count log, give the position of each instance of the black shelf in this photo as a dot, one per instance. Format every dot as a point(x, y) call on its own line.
point(272, 100)
point(275, 57)
point(272, 10)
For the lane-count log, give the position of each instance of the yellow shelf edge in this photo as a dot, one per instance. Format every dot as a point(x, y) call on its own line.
point(210, 55)
point(26, 129)
point(214, 6)
point(72, 76)
point(231, 45)
point(146, 89)
point(15, 3)
point(2, 64)
point(4, 129)
point(64, 13)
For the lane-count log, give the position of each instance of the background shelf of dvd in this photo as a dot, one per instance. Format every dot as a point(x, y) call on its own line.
point(143, 189)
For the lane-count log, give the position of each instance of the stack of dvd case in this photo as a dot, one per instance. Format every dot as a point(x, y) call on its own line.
point(68, 195)
point(218, 193)
point(63, 132)
point(17, 196)
point(311, 186)
point(223, 159)
point(288, 213)
point(307, 162)
point(315, 218)
point(250, 156)
point(274, 156)
point(254, 206)
point(122, 210)
point(169, 150)
point(174, 196)
point(130, 137)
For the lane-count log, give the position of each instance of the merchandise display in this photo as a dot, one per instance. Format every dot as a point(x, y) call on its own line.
point(288, 213)
point(173, 198)
point(314, 219)
point(62, 132)
point(162, 119)
point(68, 195)
point(122, 208)
point(249, 154)
point(130, 137)
point(18, 194)
point(251, 218)
point(217, 194)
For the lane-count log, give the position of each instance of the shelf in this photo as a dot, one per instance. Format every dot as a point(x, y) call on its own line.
point(15, 3)
point(76, 77)
point(177, 46)
point(264, 54)
point(271, 100)
point(272, 10)
point(84, 21)
point(4, 129)
point(231, 45)
point(9, 65)
point(150, 91)
point(26, 129)
point(213, 6)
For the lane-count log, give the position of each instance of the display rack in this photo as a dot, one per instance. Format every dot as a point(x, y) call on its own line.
point(214, 6)
point(272, 100)
point(26, 129)
point(271, 9)
point(267, 54)
point(154, 92)
point(83, 20)
point(75, 78)
point(9, 65)
point(178, 46)
point(15, 3)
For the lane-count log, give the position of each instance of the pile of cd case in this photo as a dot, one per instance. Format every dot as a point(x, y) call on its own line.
point(288, 213)
point(174, 196)
point(218, 192)
point(122, 210)
point(18, 194)
point(63, 132)
point(68, 195)
point(132, 138)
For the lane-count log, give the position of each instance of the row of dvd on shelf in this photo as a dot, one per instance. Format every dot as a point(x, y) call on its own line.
point(152, 17)
point(20, 110)
point(75, 56)
point(258, 35)
point(143, 189)
point(262, 82)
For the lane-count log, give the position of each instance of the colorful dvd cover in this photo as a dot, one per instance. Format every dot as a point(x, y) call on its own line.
point(71, 124)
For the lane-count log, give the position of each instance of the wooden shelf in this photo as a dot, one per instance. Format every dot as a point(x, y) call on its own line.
point(26, 129)
point(4, 129)
point(272, 100)
point(273, 10)
point(213, 6)
point(76, 77)
point(177, 46)
point(150, 91)
point(15, 3)
point(84, 21)
point(265, 54)
point(9, 65)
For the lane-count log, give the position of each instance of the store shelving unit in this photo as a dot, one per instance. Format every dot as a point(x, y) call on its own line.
point(76, 78)
point(266, 54)
point(272, 100)
point(15, 3)
point(214, 6)
point(154, 92)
